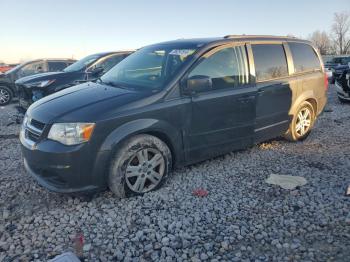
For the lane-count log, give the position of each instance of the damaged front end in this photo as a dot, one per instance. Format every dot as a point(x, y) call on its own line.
point(30, 93)
point(342, 85)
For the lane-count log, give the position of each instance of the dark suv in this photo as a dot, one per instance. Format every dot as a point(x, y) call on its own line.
point(33, 88)
point(173, 104)
point(7, 80)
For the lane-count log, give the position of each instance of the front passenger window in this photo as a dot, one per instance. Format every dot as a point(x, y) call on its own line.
point(227, 68)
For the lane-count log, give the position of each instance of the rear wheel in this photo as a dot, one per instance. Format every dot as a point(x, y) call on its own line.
point(302, 122)
point(142, 164)
point(5, 95)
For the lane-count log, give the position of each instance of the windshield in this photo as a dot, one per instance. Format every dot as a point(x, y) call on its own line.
point(341, 60)
point(15, 68)
point(150, 67)
point(82, 63)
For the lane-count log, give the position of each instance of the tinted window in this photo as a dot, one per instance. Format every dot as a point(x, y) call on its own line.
point(57, 66)
point(304, 57)
point(226, 68)
point(270, 61)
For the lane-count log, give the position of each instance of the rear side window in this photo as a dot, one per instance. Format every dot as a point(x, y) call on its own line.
point(57, 66)
point(304, 57)
point(227, 68)
point(270, 61)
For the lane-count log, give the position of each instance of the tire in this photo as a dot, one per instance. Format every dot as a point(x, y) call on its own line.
point(342, 100)
point(141, 165)
point(6, 95)
point(298, 132)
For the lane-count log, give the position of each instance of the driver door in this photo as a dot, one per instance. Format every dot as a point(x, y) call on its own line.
point(223, 118)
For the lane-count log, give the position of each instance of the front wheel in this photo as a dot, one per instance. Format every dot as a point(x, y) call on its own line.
point(302, 122)
point(5, 95)
point(141, 165)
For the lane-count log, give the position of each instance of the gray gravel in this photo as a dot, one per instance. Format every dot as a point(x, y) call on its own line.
point(242, 219)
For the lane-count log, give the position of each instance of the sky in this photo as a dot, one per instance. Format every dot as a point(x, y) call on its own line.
point(33, 29)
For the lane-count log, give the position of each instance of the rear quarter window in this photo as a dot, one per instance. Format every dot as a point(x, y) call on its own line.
point(304, 57)
point(270, 61)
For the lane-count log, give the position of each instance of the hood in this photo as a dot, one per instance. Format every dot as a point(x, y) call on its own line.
point(82, 103)
point(41, 77)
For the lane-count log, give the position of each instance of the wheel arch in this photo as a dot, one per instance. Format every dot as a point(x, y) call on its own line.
point(170, 135)
point(9, 86)
point(307, 96)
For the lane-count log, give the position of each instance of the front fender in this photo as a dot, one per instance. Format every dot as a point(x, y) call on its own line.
point(160, 128)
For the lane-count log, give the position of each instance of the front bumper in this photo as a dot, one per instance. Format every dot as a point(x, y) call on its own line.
point(341, 93)
point(65, 169)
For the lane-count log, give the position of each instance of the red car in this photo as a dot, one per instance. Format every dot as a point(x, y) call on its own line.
point(4, 68)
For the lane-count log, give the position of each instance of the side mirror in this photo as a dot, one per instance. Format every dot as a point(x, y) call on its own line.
point(198, 83)
point(96, 71)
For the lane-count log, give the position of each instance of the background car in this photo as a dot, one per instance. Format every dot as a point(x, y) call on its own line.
point(7, 80)
point(342, 85)
point(337, 65)
point(89, 68)
point(338, 71)
point(5, 67)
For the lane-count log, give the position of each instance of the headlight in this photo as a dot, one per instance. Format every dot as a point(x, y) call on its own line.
point(71, 133)
point(41, 84)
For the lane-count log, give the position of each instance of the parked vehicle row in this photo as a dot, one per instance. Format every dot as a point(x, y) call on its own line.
point(7, 80)
point(35, 87)
point(172, 104)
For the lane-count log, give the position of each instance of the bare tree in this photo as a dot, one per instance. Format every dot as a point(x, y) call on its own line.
point(322, 41)
point(341, 32)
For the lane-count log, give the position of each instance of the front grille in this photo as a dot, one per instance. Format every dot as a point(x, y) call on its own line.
point(34, 130)
point(37, 124)
point(32, 136)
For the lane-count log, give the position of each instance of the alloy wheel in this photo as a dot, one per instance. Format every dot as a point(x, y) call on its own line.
point(4, 96)
point(145, 170)
point(303, 121)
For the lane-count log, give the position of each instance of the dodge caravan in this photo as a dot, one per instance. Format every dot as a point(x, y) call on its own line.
point(173, 104)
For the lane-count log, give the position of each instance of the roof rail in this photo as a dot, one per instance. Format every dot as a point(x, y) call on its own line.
point(257, 36)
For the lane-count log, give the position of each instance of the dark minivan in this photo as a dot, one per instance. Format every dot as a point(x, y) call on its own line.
point(33, 88)
point(173, 104)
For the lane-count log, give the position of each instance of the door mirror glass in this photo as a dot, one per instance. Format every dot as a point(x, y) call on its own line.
point(199, 83)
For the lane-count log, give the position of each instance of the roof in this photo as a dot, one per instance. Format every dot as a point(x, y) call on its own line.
point(229, 38)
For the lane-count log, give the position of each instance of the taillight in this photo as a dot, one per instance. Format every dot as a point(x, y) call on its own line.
point(326, 81)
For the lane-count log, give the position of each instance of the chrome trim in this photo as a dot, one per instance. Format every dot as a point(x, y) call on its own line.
point(276, 124)
point(34, 129)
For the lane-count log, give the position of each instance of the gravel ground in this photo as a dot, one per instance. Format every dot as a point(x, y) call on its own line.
point(242, 219)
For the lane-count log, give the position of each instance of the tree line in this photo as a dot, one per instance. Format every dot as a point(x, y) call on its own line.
point(337, 40)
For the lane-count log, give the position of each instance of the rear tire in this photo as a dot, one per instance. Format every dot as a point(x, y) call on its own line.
point(141, 165)
point(302, 123)
point(6, 95)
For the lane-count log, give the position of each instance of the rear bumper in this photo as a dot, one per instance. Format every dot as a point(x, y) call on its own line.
point(65, 169)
